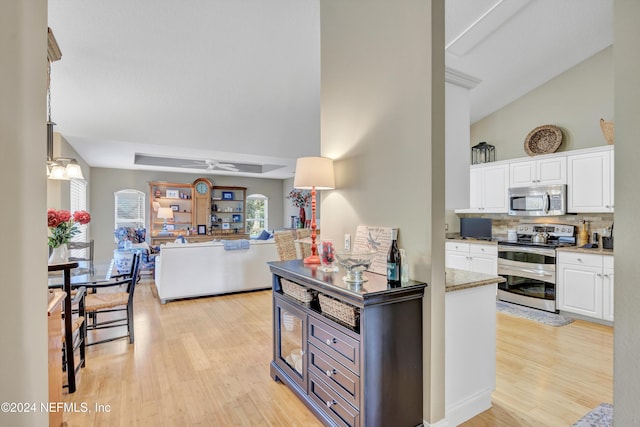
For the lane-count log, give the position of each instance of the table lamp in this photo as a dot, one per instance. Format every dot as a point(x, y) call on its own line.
point(314, 173)
point(165, 213)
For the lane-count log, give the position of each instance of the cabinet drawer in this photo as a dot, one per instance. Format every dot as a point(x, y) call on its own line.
point(336, 344)
point(484, 249)
point(345, 382)
point(333, 405)
point(575, 258)
point(458, 247)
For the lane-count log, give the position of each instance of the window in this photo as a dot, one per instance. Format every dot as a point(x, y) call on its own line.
point(78, 202)
point(129, 208)
point(257, 214)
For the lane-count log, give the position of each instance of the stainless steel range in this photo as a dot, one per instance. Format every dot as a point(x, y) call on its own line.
point(529, 264)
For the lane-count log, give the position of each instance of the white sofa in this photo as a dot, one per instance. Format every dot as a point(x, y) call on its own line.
point(199, 269)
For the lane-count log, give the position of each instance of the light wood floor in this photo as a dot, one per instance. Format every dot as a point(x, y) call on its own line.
point(206, 361)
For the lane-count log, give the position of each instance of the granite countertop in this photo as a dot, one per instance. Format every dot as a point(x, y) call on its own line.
point(456, 280)
point(472, 240)
point(595, 251)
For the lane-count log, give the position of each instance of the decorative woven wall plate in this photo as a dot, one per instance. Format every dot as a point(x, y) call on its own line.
point(543, 140)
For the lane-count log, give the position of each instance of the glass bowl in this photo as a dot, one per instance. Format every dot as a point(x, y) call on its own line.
point(355, 263)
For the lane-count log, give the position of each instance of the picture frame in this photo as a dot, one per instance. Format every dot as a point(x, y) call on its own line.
point(236, 218)
point(227, 195)
point(171, 227)
point(226, 226)
point(173, 194)
point(175, 208)
point(202, 229)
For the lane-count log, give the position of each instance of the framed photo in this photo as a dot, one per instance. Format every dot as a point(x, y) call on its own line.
point(227, 195)
point(202, 229)
point(236, 218)
point(173, 194)
point(171, 227)
point(374, 238)
point(226, 226)
point(175, 208)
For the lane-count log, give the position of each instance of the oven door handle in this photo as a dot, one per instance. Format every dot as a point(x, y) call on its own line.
point(536, 272)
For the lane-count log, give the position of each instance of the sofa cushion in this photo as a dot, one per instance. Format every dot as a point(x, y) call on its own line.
point(265, 235)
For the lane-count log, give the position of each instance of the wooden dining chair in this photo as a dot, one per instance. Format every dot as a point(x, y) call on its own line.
point(87, 255)
point(113, 298)
point(305, 248)
point(74, 328)
point(285, 245)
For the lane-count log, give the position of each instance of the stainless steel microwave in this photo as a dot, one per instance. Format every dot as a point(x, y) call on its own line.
point(538, 201)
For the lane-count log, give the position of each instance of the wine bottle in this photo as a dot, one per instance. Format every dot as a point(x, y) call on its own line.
point(394, 262)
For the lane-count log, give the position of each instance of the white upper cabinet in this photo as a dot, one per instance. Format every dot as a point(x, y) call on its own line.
point(547, 171)
point(488, 187)
point(590, 181)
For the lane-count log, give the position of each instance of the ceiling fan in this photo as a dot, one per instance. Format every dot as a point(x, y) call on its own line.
point(211, 165)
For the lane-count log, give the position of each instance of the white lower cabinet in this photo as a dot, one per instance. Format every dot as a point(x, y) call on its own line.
point(585, 284)
point(476, 257)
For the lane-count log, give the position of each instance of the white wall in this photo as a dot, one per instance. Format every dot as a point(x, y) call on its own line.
point(457, 152)
point(23, 257)
point(627, 269)
point(575, 101)
point(382, 120)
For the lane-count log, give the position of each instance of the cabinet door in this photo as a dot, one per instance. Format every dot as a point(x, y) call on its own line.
point(457, 260)
point(551, 171)
point(495, 188)
point(607, 288)
point(475, 188)
point(484, 264)
point(290, 324)
point(522, 174)
point(579, 290)
point(589, 182)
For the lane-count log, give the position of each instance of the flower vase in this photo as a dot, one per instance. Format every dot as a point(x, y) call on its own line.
point(303, 217)
point(59, 254)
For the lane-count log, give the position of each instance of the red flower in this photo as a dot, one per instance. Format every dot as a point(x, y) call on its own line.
point(52, 218)
point(83, 217)
point(64, 216)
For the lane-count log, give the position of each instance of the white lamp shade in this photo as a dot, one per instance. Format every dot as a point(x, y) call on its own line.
point(74, 170)
point(314, 172)
point(165, 213)
point(58, 172)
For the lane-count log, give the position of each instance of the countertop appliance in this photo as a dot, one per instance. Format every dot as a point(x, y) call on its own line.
point(478, 228)
point(529, 264)
point(538, 201)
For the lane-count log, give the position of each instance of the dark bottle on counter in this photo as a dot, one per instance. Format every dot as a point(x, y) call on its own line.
point(394, 262)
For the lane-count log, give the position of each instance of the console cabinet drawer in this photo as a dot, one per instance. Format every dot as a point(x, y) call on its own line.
point(341, 412)
point(345, 382)
point(336, 344)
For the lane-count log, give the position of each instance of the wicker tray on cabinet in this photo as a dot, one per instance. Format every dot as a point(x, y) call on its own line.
point(296, 291)
point(342, 311)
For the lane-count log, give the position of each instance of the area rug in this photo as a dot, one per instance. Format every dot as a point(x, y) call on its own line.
point(601, 416)
point(540, 316)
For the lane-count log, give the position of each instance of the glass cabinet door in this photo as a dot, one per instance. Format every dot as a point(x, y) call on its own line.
point(291, 338)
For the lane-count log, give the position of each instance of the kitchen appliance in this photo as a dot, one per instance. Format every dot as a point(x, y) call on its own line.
point(476, 228)
point(538, 201)
point(529, 264)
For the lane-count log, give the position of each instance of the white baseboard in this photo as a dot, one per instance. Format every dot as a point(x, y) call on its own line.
point(441, 423)
point(469, 407)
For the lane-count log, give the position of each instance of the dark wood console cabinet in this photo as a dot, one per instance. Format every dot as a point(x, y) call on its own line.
point(362, 373)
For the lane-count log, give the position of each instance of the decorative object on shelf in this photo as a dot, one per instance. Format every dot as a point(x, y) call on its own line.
point(376, 239)
point(483, 153)
point(62, 227)
point(165, 214)
point(175, 208)
point(544, 139)
point(227, 195)
point(327, 256)
point(173, 194)
point(202, 229)
point(608, 131)
point(236, 218)
point(355, 263)
point(315, 173)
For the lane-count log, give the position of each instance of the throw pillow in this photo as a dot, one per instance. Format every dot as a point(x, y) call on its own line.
point(265, 235)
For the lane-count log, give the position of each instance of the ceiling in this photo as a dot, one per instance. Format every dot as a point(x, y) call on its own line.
point(239, 81)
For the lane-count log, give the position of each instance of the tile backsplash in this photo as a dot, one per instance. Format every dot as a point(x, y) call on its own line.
point(596, 222)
